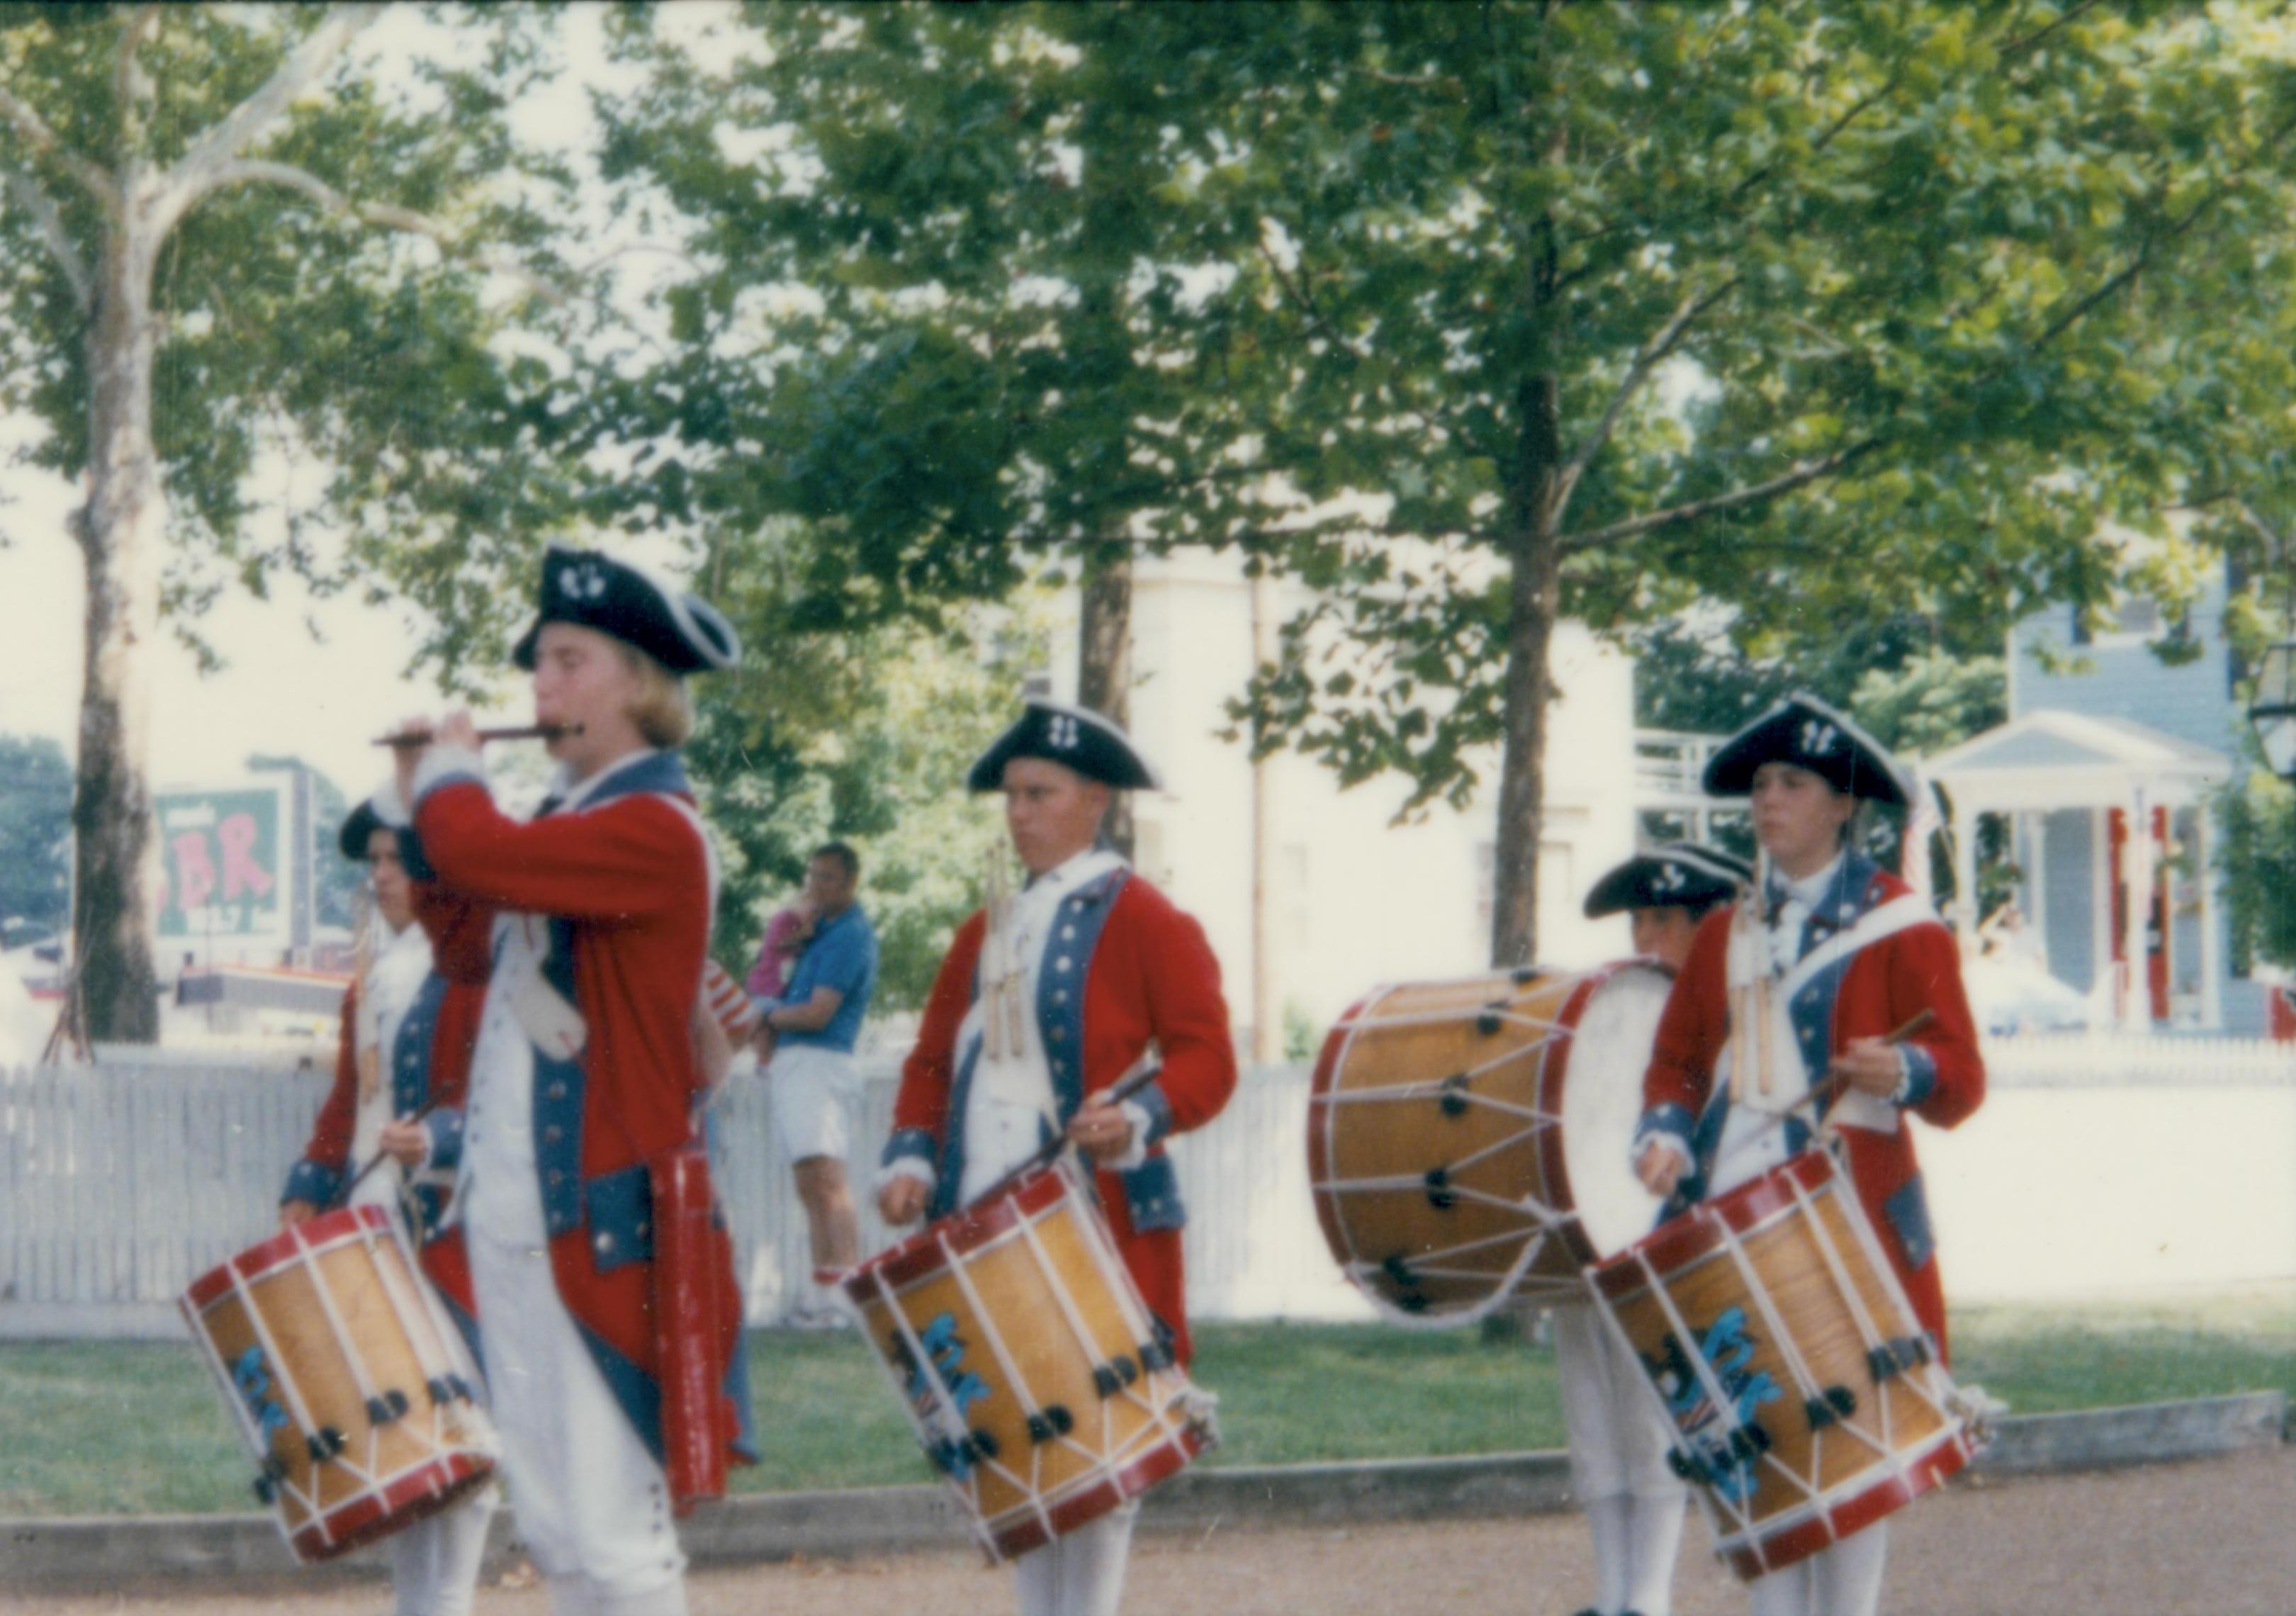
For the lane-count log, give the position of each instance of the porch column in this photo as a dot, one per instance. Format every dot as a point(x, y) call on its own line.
point(1964, 875)
point(2211, 948)
point(2137, 886)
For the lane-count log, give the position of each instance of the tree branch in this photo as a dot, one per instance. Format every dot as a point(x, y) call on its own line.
point(202, 168)
point(1804, 471)
point(2018, 47)
point(35, 132)
point(1653, 354)
point(44, 213)
point(131, 89)
point(251, 171)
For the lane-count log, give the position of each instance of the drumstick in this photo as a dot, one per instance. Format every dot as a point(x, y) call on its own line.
point(1115, 1094)
point(379, 1157)
point(1833, 1084)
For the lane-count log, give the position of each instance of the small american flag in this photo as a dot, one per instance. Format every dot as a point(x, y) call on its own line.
point(728, 1006)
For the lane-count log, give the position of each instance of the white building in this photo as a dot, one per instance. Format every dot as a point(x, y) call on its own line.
point(1349, 897)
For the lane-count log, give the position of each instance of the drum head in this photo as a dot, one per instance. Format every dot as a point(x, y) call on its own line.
point(1602, 1101)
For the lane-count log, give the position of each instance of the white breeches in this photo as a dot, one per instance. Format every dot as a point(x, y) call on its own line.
point(1082, 1573)
point(592, 1503)
point(434, 1563)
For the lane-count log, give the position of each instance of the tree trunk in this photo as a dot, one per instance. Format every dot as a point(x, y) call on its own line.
point(119, 532)
point(1104, 664)
point(1534, 599)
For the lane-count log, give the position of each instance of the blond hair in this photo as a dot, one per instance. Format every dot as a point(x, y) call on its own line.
point(663, 708)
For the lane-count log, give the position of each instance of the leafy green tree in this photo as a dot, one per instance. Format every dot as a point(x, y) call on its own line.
point(1472, 316)
point(229, 242)
point(1830, 312)
point(2256, 852)
point(864, 738)
point(34, 830)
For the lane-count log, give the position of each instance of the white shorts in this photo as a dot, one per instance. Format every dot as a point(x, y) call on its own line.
point(811, 1087)
point(1619, 1439)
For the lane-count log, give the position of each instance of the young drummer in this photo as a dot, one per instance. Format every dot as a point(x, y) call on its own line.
point(1026, 1028)
point(587, 926)
point(1634, 1502)
point(1844, 955)
point(401, 1068)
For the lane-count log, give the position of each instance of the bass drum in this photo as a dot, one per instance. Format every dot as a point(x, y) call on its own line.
point(1469, 1141)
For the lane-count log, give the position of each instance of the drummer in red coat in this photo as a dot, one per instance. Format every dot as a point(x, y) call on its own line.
point(1091, 970)
point(400, 1069)
point(587, 926)
point(1844, 954)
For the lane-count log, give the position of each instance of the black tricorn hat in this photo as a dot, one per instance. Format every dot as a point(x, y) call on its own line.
point(683, 632)
point(359, 825)
point(1075, 737)
point(1681, 874)
point(1805, 731)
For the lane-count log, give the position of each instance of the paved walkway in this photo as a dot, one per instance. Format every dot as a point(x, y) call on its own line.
point(2213, 1538)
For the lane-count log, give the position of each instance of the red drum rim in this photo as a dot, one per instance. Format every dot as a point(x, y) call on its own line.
point(1105, 1493)
point(400, 1502)
point(1554, 1080)
point(1684, 1239)
point(288, 1246)
point(967, 1229)
point(1786, 1546)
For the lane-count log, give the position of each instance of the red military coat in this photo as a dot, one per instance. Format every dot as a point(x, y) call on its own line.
point(1882, 987)
point(626, 883)
point(1148, 975)
point(431, 1065)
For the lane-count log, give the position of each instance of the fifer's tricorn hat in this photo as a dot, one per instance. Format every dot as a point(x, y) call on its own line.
point(1805, 731)
point(1681, 874)
point(358, 825)
point(683, 632)
point(1075, 737)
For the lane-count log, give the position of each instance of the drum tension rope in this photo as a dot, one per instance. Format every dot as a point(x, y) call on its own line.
point(325, 1443)
point(1440, 1195)
point(382, 1410)
point(1454, 1103)
point(1492, 1019)
point(1894, 1357)
point(1838, 1403)
point(1052, 1421)
point(1405, 1282)
point(1113, 1376)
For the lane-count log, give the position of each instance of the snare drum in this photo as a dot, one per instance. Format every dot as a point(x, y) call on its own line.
point(1808, 1401)
point(352, 1390)
point(1040, 1388)
point(1468, 1140)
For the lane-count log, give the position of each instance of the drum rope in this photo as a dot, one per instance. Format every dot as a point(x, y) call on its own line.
point(952, 1429)
point(1086, 1343)
point(1014, 1380)
point(370, 1394)
point(256, 1443)
point(1790, 1353)
point(1865, 1323)
point(1726, 1409)
point(441, 1353)
point(1502, 1016)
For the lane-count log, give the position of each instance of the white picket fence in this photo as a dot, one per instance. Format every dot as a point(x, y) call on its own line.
point(119, 1184)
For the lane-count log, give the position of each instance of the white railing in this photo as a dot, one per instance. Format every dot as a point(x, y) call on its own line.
point(120, 1185)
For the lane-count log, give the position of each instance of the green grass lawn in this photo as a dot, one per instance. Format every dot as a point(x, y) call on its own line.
point(135, 1427)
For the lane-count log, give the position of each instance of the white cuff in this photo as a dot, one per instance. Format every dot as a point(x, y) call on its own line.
point(389, 807)
point(441, 761)
point(907, 1167)
point(1670, 1141)
point(1136, 1151)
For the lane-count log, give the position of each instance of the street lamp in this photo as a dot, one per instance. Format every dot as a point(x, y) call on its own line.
point(2273, 709)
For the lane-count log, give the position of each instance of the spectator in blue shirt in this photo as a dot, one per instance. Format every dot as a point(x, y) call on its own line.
point(805, 1042)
